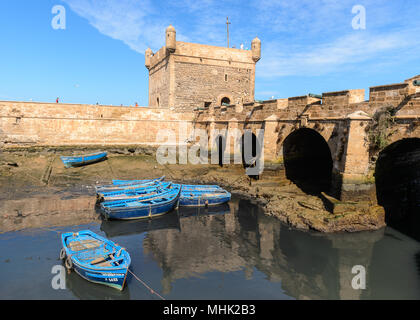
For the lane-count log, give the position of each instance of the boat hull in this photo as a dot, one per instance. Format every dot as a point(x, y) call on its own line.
point(114, 279)
point(128, 182)
point(143, 210)
point(121, 187)
point(127, 194)
point(140, 213)
point(78, 161)
point(185, 201)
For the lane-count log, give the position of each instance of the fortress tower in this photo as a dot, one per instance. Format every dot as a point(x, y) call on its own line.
point(188, 75)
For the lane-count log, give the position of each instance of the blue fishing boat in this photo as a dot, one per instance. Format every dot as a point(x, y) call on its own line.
point(127, 182)
point(144, 207)
point(95, 258)
point(193, 187)
point(203, 197)
point(200, 186)
point(133, 185)
point(77, 161)
point(126, 194)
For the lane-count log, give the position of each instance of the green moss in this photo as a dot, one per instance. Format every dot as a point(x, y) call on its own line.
point(379, 131)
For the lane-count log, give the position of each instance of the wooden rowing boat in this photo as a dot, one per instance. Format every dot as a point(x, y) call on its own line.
point(203, 197)
point(95, 258)
point(77, 161)
point(143, 207)
point(128, 182)
point(130, 185)
point(130, 193)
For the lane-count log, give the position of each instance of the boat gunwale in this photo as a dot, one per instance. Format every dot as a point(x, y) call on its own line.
point(125, 256)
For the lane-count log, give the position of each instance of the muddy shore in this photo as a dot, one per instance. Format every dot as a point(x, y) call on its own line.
point(35, 180)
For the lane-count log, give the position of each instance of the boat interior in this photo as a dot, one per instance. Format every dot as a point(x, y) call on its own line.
point(93, 252)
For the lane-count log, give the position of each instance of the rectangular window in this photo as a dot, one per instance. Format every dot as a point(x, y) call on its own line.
point(226, 78)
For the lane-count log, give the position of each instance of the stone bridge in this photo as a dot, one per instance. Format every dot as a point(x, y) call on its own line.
point(339, 140)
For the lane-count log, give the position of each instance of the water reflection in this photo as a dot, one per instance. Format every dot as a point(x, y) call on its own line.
point(308, 265)
point(130, 227)
point(38, 211)
point(92, 291)
point(236, 242)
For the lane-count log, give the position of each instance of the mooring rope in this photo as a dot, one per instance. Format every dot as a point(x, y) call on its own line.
point(48, 229)
point(145, 284)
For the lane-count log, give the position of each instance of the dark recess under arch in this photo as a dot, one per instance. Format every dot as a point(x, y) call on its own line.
point(397, 178)
point(307, 160)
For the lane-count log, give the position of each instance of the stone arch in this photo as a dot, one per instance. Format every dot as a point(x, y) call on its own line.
point(225, 101)
point(251, 150)
point(224, 97)
point(397, 179)
point(220, 142)
point(308, 161)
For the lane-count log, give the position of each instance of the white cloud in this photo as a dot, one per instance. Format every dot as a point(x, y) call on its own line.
point(346, 52)
point(127, 20)
point(308, 37)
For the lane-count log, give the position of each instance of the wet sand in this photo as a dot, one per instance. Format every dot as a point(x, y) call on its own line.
point(36, 186)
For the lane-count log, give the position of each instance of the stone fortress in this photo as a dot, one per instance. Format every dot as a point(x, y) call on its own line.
point(337, 133)
point(187, 75)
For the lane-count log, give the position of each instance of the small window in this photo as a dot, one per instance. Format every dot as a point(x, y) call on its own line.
point(226, 77)
point(207, 104)
point(225, 101)
point(157, 102)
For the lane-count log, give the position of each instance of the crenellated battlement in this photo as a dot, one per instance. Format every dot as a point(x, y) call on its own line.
point(338, 104)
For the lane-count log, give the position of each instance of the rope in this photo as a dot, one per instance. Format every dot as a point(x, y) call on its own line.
point(50, 230)
point(144, 284)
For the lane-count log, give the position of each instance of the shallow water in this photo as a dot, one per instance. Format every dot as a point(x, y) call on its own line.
point(231, 252)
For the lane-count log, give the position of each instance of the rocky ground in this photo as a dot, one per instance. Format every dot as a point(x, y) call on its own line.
point(28, 172)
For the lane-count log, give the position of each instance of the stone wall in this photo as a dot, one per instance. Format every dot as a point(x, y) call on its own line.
point(342, 118)
point(220, 82)
point(71, 124)
point(195, 76)
point(159, 84)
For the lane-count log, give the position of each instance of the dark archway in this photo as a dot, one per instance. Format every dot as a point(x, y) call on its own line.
point(225, 101)
point(397, 177)
point(221, 147)
point(307, 160)
point(251, 152)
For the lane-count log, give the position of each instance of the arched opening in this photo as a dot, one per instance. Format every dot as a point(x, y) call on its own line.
point(307, 160)
point(221, 146)
point(251, 151)
point(225, 101)
point(397, 178)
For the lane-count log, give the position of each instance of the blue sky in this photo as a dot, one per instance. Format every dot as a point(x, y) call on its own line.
point(308, 46)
